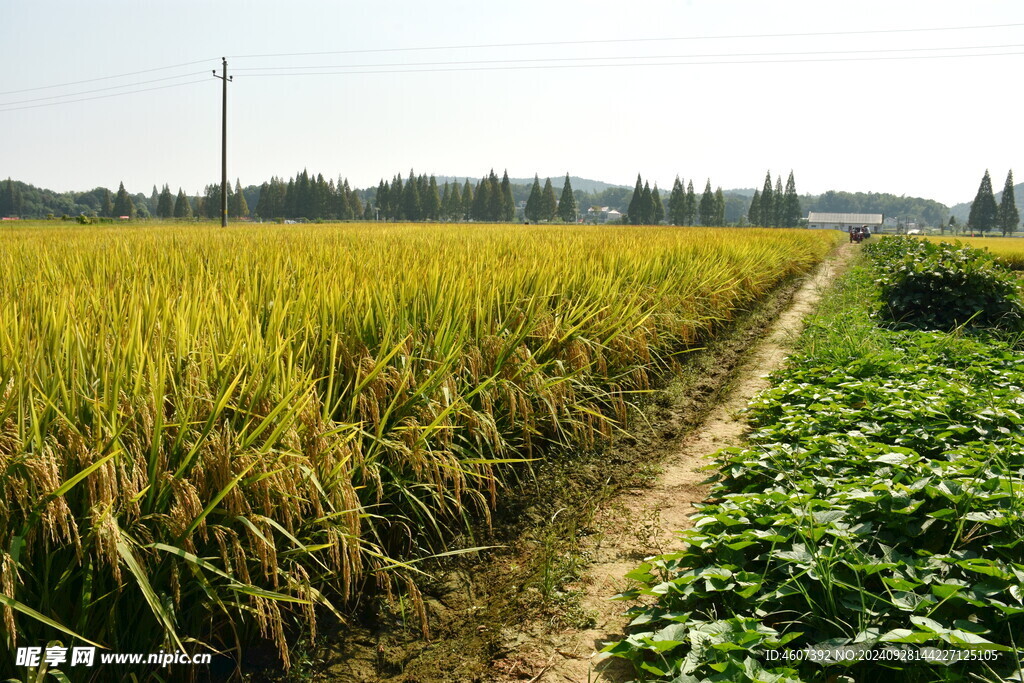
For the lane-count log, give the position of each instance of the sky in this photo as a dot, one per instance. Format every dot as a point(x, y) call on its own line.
point(913, 98)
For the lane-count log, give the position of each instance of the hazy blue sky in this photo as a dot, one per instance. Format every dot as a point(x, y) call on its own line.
point(833, 108)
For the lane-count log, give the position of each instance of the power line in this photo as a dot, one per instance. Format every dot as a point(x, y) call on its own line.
point(636, 40)
point(639, 57)
point(599, 66)
point(100, 97)
point(105, 78)
point(511, 45)
point(112, 87)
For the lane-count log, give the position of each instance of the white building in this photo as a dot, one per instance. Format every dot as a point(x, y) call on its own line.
point(844, 221)
point(602, 214)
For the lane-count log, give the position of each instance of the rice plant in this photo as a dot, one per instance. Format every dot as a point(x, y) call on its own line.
point(207, 436)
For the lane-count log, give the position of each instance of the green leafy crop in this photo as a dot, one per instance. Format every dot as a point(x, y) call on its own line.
point(940, 286)
point(876, 515)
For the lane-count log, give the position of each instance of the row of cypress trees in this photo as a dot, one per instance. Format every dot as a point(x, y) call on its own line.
point(646, 207)
point(419, 198)
point(985, 214)
point(542, 206)
point(307, 197)
point(775, 208)
point(165, 204)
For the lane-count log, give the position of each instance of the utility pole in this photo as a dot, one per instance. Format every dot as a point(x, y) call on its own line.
point(224, 145)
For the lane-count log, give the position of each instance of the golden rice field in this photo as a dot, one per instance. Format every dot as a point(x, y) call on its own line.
point(206, 433)
point(1007, 250)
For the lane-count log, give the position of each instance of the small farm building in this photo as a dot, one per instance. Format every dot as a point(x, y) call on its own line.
point(602, 214)
point(844, 221)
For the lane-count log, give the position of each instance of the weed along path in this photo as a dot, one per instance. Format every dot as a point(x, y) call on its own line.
point(643, 522)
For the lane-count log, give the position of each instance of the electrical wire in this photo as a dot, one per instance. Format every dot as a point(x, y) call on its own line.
point(104, 78)
point(588, 59)
point(626, 65)
point(505, 45)
point(634, 40)
point(112, 87)
point(532, 63)
point(100, 97)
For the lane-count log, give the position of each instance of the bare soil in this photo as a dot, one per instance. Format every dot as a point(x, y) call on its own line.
point(538, 607)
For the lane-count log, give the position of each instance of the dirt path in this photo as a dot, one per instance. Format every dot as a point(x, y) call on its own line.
point(640, 523)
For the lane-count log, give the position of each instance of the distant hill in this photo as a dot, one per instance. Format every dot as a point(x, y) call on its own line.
point(584, 184)
point(962, 211)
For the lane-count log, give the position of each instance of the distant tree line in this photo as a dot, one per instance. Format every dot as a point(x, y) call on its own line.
point(24, 200)
point(926, 211)
point(312, 197)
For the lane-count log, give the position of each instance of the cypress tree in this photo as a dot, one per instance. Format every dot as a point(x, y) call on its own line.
point(182, 207)
point(106, 206)
point(791, 212)
point(635, 211)
point(320, 197)
point(432, 205)
point(239, 207)
point(677, 203)
point(341, 206)
point(1009, 217)
point(411, 205)
point(165, 203)
point(646, 205)
point(508, 202)
point(303, 195)
point(264, 199)
point(482, 200)
point(719, 207)
point(534, 201)
point(123, 204)
point(780, 201)
point(467, 201)
point(381, 200)
point(211, 202)
point(984, 211)
point(278, 190)
point(446, 200)
point(423, 186)
point(659, 208)
point(754, 212)
point(549, 205)
point(494, 198)
point(354, 203)
point(691, 204)
point(707, 205)
point(567, 204)
point(767, 202)
point(455, 205)
point(288, 203)
point(395, 196)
